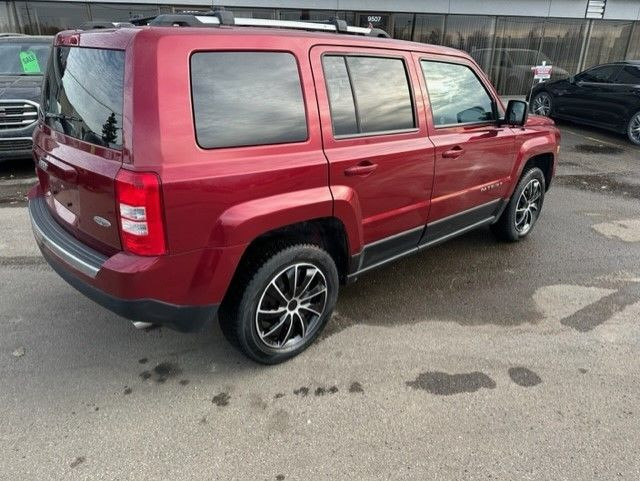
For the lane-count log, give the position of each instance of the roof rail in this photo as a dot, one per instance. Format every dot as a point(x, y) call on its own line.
point(221, 17)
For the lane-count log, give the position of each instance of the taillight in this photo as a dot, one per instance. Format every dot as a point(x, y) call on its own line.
point(139, 206)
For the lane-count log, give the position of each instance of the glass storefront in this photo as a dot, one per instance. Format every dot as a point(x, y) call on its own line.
point(7, 20)
point(562, 42)
point(633, 53)
point(607, 41)
point(121, 13)
point(47, 18)
point(505, 47)
point(468, 32)
point(428, 28)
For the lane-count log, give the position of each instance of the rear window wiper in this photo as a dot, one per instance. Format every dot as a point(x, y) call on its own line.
point(50, 115)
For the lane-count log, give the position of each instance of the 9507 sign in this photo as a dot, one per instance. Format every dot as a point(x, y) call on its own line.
point(374, 20)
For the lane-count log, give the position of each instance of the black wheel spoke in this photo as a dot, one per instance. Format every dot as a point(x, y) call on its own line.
point(528, 206)
point(292, 303)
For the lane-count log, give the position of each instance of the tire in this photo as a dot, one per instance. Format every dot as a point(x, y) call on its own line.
point(523, 210)
point(633, 129)
point(542, 104)
point(288, 322)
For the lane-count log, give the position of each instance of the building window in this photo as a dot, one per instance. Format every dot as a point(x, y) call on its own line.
point(468, 32)
point(608, 42)
point(429, 29)
point(634, 44)
point(7, 21)
point(517, 49)
point(48, 18)
point(317, 15)
point(402, 26)
point(268, 13)
point(562, 43)
point(117, 12)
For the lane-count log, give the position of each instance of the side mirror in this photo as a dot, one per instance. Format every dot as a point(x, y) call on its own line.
point(572, 80)
point(517, 113)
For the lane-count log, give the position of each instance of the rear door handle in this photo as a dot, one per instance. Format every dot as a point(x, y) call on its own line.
point(363, 169)
point(453, 153)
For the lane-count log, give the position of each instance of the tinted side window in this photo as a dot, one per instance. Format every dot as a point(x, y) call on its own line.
point(602, 74)
point(343, 110)
point(629, 75)
point(381, 89)
point(368, 95)
point(457, 95)
point(247, 98)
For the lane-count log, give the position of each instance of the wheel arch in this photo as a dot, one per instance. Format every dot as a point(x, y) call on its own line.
point(538, 152)
point(328, 233)
point(545, 162)
point(634, 112)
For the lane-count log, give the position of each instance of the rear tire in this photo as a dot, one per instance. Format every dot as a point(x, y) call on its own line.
point(523, 210)
point(278, 307)
point(633, 129)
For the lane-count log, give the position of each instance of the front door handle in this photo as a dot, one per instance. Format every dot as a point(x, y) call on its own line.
point(363, 169)
point(453, 153)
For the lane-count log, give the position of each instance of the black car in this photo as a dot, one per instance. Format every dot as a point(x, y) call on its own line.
point(605, 96)
point(23, 59)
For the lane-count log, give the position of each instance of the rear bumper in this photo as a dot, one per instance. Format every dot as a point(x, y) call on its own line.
point(89, 272)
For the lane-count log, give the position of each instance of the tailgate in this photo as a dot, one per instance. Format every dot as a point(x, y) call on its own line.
point(80, 192)
point(78, 143)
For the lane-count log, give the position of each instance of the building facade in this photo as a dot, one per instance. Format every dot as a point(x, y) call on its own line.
point(506, 37)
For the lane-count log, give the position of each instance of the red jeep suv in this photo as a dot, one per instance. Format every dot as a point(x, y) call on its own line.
point(245, 169)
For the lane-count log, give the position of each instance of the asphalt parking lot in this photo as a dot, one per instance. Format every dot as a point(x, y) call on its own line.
point(473, 360)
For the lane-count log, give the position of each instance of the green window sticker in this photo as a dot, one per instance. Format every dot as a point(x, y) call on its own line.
point(29, 62)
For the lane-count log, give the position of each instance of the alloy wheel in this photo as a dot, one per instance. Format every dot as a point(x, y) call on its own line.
point(542, 105)
point(291, 306)
point(528, 206)
point(634, 128)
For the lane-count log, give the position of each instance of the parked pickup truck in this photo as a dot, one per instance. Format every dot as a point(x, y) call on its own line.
point(23, 60)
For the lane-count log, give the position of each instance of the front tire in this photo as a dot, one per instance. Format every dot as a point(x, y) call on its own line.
point(524, 207)
point(633, 129)
point(281, 304)
point(542, 104)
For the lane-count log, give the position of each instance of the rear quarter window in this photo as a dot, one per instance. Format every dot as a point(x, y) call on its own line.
point(247, 98)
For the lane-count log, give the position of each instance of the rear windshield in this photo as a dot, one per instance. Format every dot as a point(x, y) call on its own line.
point(83, 93)
point(23, 57)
